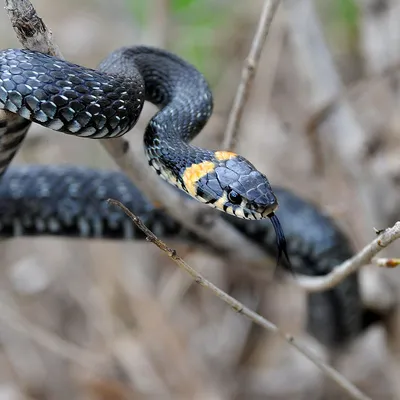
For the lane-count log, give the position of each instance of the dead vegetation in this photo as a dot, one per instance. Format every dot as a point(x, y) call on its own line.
point(100, 320)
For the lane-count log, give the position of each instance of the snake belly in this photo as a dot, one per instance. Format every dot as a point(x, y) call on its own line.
point(70, 201)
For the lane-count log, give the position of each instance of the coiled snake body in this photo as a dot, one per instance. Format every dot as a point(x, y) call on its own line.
point(70, 201)
point(107, 103)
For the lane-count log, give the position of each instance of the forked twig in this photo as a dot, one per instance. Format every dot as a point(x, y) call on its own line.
point(240, 308)
point(248, 73)
point(321, 283)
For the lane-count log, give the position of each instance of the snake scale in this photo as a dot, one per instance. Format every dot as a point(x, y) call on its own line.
point(106, 103)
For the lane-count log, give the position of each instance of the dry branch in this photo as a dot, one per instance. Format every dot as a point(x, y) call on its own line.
point(364, 257)
point(35, 35)
point(220, 234)
point(240, 308)
point(379, 35)
point(248, 73)
point(386, 262)
point(30, 28)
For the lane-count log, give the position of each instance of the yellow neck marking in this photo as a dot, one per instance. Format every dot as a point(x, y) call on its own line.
point(224, 155)
point(195, 172)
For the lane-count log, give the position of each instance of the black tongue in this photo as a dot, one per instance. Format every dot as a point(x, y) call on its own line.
point(280, 241)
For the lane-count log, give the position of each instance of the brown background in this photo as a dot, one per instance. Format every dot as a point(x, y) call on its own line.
point(137, 327)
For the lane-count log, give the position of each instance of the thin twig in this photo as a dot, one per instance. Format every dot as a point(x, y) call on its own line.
point(386, 262)
point(364, 257)
point(126, 160)
point(35, 35)
point(248, 72)
point(378, 43)
point(239, 307)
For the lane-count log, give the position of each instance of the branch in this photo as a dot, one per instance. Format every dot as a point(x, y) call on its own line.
point(386, 262)
point(240, 308)
point(35, 35)
point(30, 28)
point(248, 73)
point(318, 284)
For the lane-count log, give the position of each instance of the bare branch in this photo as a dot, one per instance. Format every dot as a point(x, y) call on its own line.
point(248, 72)
point(386, 262)
point(321, 283)
point(35, 35)
point(240, 308)
point(29, 27)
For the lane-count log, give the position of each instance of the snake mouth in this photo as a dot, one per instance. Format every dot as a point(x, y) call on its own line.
point(268, 211)
point(251, 213)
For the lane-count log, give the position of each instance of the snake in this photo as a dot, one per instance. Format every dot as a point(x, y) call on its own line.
point(106, 103)
point(71, 202)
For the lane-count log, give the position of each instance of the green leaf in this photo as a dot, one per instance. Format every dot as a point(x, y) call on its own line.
point(179, 5)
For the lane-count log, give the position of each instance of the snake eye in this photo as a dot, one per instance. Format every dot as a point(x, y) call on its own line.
point(234, 197)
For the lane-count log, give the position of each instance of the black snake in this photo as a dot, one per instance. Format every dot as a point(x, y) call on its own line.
point(70, 201)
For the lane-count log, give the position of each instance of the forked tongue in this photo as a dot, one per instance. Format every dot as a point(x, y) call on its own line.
point(280, 241)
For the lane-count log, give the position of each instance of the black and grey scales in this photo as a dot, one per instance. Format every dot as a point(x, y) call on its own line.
point(66, 97)
point(71, 201)
point(107, 102)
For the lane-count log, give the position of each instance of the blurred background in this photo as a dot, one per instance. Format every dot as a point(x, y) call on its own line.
point(99, 320)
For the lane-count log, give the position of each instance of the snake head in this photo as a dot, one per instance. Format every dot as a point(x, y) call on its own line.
point(231, 184)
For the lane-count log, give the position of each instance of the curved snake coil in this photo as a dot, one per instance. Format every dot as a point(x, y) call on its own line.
point(71, 201)
point(107, 103)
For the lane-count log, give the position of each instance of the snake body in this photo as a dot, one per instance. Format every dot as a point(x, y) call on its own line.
point(106, 103)
point(71, 201)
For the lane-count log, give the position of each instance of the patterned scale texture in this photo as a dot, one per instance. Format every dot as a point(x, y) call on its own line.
point(68, 98)
point(71, 201)
point(107, 102)
point(184, 97)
